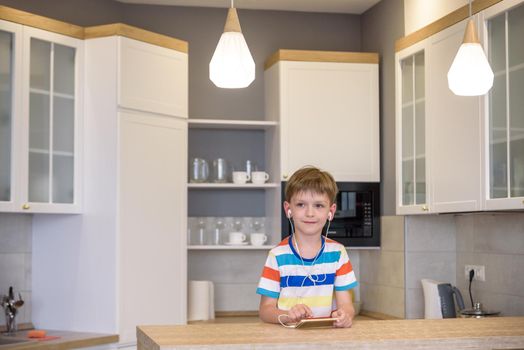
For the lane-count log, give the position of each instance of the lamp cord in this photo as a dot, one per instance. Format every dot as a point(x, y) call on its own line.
point(469, 8)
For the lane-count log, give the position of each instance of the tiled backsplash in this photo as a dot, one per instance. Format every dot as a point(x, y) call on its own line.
point(413, 247)
point(430, 253)
point(439, 246)
point(497, 242)
point(15, 260)
point(382, 271)
point(235, 275)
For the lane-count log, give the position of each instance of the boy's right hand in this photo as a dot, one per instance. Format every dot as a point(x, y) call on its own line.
point(299, 312)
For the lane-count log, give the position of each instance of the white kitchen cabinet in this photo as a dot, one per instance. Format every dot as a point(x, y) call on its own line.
point(454, 131)
point(42, 92)
point(328, 113)
point(412, 164)
point(152, 79)
point(439, 135)
point(504, 106)
point(127, 252)
point(10, 119)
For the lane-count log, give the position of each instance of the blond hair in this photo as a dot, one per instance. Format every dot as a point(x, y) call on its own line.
point(310, 178)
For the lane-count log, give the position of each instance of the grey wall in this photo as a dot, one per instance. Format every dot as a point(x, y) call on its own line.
point(382, 25)
point(15, 261)
point(265, 32)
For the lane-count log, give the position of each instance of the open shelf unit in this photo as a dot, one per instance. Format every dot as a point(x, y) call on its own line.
point(236, 141)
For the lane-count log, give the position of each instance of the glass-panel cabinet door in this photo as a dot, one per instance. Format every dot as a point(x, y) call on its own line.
point(506, 105)
point(413, 134)
point(6, 115)
point(10, 123)
point(51, 161)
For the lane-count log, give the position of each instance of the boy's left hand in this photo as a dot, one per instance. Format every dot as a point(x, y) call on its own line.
point(344, 319)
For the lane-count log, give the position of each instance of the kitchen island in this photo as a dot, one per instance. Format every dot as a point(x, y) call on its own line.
point(459, 333)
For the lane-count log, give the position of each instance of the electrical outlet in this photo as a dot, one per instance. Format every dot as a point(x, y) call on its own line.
point(480, 274)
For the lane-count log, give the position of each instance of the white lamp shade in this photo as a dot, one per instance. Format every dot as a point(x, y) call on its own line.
point(470, 73)
point(232, 65)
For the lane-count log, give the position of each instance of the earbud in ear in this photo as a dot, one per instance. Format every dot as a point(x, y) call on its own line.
point(289, 213)
point(330, 216)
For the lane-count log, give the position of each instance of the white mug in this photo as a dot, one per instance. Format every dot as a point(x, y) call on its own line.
point(240, 177)
point(258, 238)
point(259, 177)
point(236, 237)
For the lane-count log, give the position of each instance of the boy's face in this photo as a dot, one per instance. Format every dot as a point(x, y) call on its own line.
point(309, 211)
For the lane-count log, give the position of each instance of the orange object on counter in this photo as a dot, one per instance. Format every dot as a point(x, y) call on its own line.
point(36, 334)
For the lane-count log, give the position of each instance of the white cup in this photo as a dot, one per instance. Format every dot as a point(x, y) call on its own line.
point(236, 237)
point(259, 177)
point(258, 238)
point(240, 177)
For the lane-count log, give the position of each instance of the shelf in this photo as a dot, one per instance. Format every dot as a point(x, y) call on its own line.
point(229, 247)
point(55, 153)
point(512, 69)
point(231, 124)
point(231, 185)
point(410, 159)
point(55, 94)
point(411, 103)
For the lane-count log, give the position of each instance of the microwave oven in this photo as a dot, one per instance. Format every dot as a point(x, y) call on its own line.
point(357, 219)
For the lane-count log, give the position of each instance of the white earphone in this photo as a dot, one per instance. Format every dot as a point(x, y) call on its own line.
point(289, 213)
point(330, 216)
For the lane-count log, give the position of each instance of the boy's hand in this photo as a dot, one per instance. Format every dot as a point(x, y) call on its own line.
point(299, 312)
point(344, 319)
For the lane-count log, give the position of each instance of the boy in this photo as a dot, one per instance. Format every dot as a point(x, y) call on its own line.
point(303, 271)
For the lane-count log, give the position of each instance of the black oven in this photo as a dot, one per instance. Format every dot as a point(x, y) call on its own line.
point(357, 219)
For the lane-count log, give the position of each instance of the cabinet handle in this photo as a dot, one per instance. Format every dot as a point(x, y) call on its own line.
point(25, 206)
point(284, 176)
point(425, 208)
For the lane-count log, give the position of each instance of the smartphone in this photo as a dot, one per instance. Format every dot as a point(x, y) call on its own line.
point(316, 322)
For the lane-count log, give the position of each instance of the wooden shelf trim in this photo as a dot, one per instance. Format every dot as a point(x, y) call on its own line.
point(443, 23)
point(72, 30)
point(41, 22)
point(321, 56)
point(136, 33)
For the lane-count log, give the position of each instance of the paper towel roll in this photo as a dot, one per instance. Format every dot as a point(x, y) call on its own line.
point(201, 301)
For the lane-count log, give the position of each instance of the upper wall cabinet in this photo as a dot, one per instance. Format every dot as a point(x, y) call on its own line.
point(438, 133)
point(504, 106)
point(474, 146)
point(152, 78)
point(10, 50)
point(327, 106)
point(41, 87)
point(412, 184)
point(454, 131)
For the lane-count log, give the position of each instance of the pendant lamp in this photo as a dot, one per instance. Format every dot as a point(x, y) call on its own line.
point(470, 73)
point(232, 65)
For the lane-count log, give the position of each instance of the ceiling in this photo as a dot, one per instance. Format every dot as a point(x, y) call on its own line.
point(331, 6)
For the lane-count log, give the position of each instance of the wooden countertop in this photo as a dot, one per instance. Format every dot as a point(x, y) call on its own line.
point(459, 333)
point(66, 340)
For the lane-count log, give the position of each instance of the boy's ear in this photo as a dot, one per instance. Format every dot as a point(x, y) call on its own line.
point(287, 210)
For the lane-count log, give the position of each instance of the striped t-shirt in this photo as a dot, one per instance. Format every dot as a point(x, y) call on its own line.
point(295, 281)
